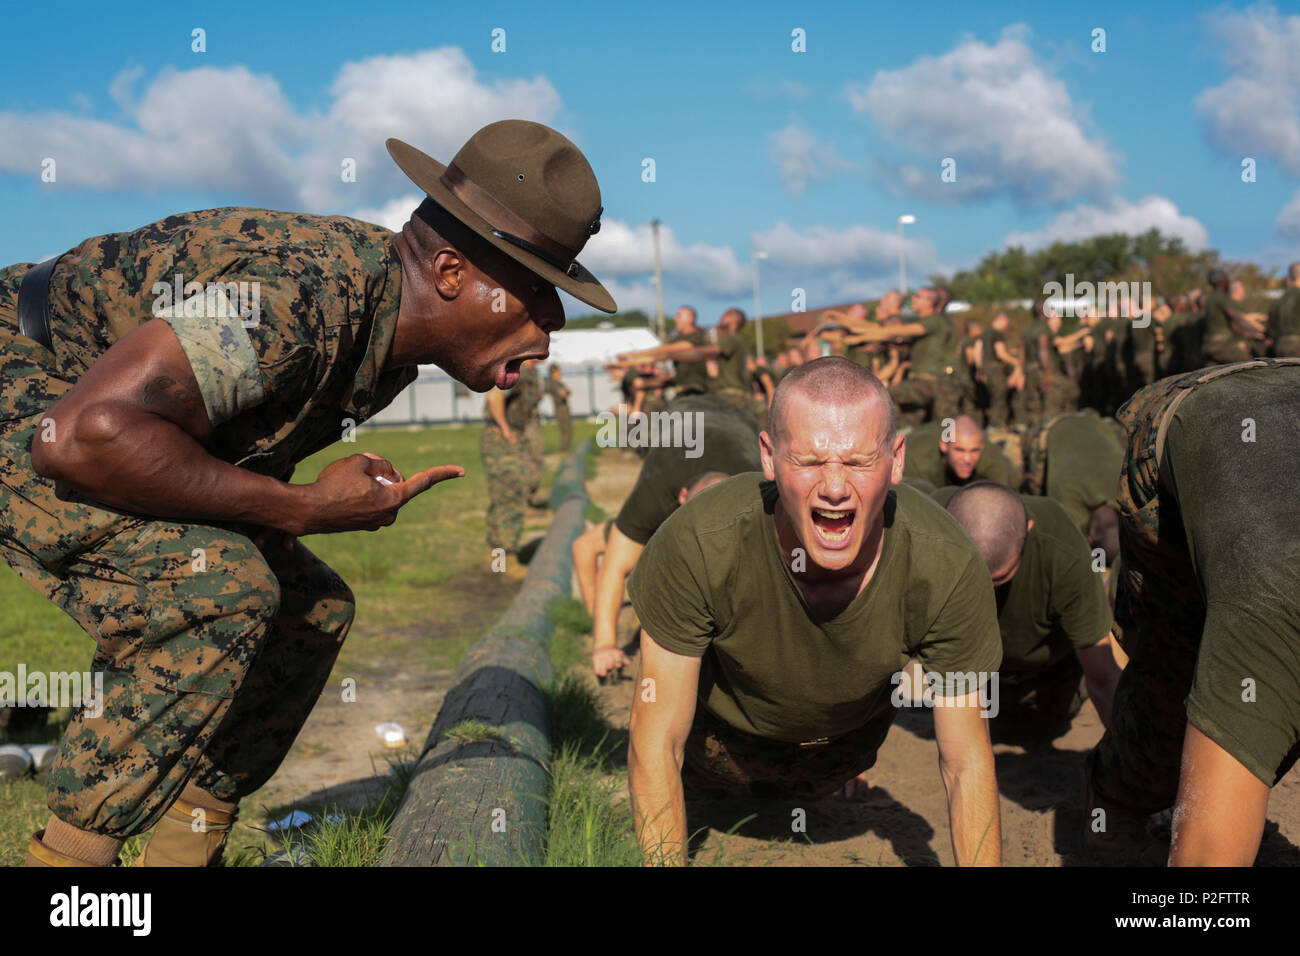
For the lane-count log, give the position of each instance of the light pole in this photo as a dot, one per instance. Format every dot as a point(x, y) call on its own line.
point(659, 283)
point(758, 312)
point(904, 220)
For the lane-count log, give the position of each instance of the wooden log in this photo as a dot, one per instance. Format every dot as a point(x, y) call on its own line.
point(480, 797)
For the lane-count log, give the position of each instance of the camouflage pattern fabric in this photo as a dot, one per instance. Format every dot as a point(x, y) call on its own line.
point(1160, 611)
point(212, 653)
point(559, 394)
point(720, 758)
point(513, 472)
point(924, 397)
point(1035, 451)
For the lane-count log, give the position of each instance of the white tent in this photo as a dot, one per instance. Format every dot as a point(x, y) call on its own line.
point(582, 348)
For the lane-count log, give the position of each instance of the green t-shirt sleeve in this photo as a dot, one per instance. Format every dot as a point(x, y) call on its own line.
point(964, 636)
point(1245, 694)
point(668, 589)
point(1079, 602)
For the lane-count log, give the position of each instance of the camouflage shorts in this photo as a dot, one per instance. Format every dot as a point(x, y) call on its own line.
point(719, 758)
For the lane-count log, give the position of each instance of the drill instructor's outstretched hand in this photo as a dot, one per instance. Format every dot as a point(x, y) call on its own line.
point(347, 496)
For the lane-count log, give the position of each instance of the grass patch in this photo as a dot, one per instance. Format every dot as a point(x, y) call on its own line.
point(469, 731)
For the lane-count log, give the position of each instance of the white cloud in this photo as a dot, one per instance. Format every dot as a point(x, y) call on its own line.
point(1288, 220)
point(230, 128)
point(1118, 215)
point(1009, 124)
point(622, 250)
point(1256, 110)
point(392, 214)
point(801, 159)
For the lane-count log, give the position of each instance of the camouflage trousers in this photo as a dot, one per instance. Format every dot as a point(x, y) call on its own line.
point(719, 758)
point(564, 418)
point(513, 474)
point(212, 655)
point(996, 398)
point(1043, 399)
point(924, 397)
point(1161, 614)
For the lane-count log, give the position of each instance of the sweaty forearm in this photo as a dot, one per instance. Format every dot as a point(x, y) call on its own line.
point(973, 814)
point(143, 463)
point(658, 805)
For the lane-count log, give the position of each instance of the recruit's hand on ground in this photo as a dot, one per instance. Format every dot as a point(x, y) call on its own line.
point(857, 787)
point(606, 659)
point(346, 496)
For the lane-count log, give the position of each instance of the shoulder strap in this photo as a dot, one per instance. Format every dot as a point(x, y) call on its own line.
point(33, 303)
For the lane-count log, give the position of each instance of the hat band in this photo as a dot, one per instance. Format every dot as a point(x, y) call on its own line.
point(507, 224)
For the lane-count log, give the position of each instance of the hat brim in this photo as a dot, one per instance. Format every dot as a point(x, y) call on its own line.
point(426, 172)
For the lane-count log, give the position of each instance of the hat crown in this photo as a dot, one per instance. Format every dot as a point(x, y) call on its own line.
point(539, 175)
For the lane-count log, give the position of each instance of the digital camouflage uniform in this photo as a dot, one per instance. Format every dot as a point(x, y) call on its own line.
point(995, 379)
point(559, 394)
point(1159, 607)
point(513, 472)
point(212, 652)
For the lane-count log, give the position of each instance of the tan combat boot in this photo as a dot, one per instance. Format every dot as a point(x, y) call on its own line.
point(180, 840)
point(38, 854)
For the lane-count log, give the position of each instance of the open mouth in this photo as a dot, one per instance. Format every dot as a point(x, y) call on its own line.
point(833, 527)
point(508, 376)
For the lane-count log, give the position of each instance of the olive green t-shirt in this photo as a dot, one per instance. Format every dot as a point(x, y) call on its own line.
point(1084, 456)
point(1033, 332)
point(1239, 503)
point(1056, 604)
point(713, 583)
point(936, 351)
point(727, 441)
point(1284, 315)
point(691, 376)
point(1217, 325)
point(923, 459)
point(732, 363)
point(993, 365)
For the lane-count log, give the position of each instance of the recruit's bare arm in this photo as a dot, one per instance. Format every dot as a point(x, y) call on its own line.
point(966, 765)
point(1101, 675)
point(131, 433)
point(620, 558)
point(1221, 809)
point(662, 711)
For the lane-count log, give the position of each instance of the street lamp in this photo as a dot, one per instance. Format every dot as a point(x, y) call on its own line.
point(758, 313)
point(904, 220)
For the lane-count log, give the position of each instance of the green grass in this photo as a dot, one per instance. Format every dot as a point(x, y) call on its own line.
point(469, 731)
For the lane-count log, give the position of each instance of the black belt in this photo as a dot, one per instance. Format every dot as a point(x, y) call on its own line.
point(34, 303)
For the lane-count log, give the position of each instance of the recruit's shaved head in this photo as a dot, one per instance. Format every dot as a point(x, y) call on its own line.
point(833, 380)
point(995, 518)
point(1103, 531)
point(964, 427)
point(706, 480)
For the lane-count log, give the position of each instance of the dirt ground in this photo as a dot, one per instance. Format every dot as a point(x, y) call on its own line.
point(338, 759)
point(903, 818)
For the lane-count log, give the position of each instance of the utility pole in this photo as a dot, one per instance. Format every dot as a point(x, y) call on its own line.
point(758, 312)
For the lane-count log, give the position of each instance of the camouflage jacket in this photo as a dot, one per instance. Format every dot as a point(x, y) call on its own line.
point(286, 319)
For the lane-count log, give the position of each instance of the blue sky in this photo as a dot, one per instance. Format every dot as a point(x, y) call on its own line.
point(809, 156)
